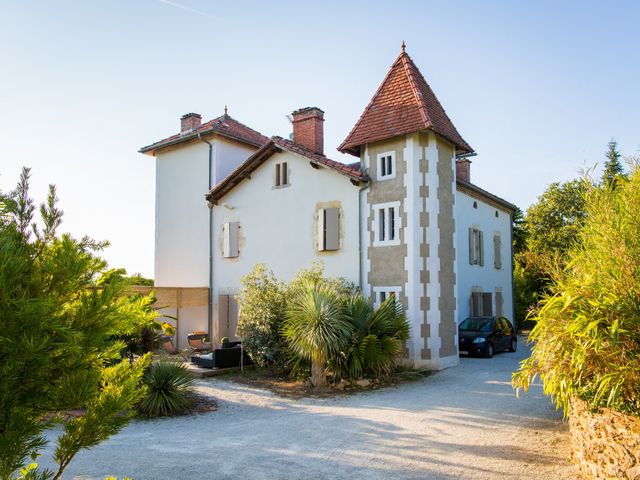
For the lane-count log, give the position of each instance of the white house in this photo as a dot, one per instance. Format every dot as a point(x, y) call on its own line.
point(403, 220)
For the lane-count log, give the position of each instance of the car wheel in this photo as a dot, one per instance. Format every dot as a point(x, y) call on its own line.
point(489, 353)
point(514, 345)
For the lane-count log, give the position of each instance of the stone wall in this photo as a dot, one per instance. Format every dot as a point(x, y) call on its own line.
point(606, 444)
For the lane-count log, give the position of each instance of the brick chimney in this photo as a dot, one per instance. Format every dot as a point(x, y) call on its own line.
point(308, 128)
point(190, 121)
point(463, 169)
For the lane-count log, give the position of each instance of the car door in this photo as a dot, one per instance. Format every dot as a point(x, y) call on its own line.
point(499, 335)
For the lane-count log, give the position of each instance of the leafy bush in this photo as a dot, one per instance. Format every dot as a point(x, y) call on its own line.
point(587, 337)
point(316, 329)
point(262, 304)
point(169, 386)
point(378, 336)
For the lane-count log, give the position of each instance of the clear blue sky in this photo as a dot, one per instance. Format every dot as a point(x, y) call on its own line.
point(537, 88)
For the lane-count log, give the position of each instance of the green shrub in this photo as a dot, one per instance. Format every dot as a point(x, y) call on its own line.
point(262, 302)
point(378, 336)
point(316, 330)
point(169, 388)
point(587, 337)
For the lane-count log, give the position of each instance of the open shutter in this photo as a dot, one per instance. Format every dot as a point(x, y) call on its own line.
point(230, 243)
point(471, 248)
point(328, 229)
point(497, 258)
point(475, 304)
point(481, 248)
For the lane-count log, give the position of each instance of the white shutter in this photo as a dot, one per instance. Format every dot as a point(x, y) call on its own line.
point(230, 240)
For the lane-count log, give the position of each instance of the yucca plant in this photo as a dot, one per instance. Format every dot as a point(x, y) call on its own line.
point(169, 386)
point(587, 337)
point(378, 336)
point(315, 328)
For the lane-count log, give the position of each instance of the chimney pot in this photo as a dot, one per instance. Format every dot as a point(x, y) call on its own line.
point(308, 128)
point(463, 169)
point(190, 121)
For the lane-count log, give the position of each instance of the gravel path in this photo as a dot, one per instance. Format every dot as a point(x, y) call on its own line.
point(464, 422)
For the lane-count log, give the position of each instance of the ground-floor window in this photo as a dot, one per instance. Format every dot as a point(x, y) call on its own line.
point(382, 293)
point(481, 303)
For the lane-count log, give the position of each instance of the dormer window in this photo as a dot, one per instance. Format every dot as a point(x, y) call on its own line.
point(386, 165)
point(281, 175)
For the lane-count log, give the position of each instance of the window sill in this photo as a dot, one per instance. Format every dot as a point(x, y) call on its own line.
point(386, 243)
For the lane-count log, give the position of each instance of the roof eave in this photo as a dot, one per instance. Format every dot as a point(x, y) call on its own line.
point(154, 147)
point(488, 195)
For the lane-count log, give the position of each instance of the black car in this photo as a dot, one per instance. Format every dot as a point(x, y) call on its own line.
point(486, 336)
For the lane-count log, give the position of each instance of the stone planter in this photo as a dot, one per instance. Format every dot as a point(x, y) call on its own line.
point(606, 444)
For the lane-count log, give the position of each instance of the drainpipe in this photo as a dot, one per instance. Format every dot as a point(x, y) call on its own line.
point(210, 303)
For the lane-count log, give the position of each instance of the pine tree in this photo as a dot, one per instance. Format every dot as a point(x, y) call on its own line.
point(612, 167)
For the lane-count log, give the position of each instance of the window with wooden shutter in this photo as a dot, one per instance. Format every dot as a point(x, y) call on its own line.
point(281, 176)
point(487, 304)
point(230, 239)
point(328, 229)
point(497, 252)
point(476, 247)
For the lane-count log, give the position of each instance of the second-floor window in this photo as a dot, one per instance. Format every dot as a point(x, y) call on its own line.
point(386, 165)
point(497, 252)
point(386, 224)
point(281, 174)
point(476, 247)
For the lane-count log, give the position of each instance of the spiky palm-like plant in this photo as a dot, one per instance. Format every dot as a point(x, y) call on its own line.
point(315, 328)
point(168, 387)
point(378, 336)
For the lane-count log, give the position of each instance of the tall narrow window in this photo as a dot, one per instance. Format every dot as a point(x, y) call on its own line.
point(328, 229)
point(281, 177)
point(476, 247)
point(386, 165)
point(386, 224)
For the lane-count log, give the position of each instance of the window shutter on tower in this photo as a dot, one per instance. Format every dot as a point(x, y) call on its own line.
point(230, 240)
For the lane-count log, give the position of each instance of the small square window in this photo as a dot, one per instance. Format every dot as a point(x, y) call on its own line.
point(383, 293)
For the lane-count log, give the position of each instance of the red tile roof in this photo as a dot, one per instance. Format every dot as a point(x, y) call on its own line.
point(224, 126)
point(404, 103)
point(274, 145)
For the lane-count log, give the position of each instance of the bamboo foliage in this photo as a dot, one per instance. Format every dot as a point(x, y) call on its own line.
point(587, 339)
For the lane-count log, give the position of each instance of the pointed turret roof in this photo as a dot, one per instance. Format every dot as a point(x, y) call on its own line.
point(404, 103)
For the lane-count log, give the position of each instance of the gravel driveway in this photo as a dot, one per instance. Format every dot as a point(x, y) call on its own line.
point(464, 422)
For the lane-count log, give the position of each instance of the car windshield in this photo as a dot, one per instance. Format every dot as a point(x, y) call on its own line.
point(476, 325)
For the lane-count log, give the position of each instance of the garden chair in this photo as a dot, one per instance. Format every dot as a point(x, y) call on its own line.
point(197, 342)
point(169, 348)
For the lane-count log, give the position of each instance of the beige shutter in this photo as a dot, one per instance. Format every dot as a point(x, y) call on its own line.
point(499, 304)
point(223, 316)
point(487, 304)
point(481, 248)
point(277, 174)
point(471, 247)
point(285, 174)
point(328, 229)
point(230, 242)
point(497, 258)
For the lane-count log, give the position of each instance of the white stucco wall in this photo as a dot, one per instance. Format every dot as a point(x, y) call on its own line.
point(485, 277)
point(181, 240)
point(278, 225)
